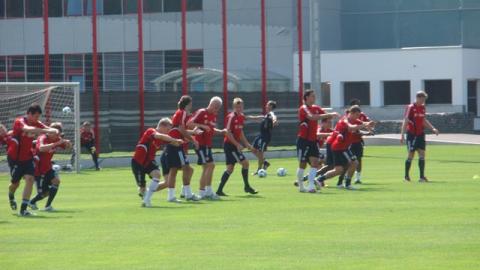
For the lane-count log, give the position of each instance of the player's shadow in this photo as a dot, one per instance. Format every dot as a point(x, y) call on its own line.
point(65, 212)
point(173, 207)
point(250, 196)
point(41, 217)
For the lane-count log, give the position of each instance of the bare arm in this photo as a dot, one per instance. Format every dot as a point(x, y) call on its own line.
point(256, 118)
point(321, 135)
point(245, 142)
point(220, 131)
point(37, 131)
point(430, 126)
point(166, 138)
point(231, 138)
point(50, 146)
point(316, 117)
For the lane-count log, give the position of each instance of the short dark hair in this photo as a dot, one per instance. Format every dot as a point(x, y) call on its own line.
point(307, 93)
point(34, 109)
point(272, 104)
point(355, 101)
point(184, 101)
point(355, 109)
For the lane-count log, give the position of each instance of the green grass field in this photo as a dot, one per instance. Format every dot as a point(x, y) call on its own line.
point(386, 224)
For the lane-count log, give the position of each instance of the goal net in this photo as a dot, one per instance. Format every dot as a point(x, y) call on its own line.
point(60, 102)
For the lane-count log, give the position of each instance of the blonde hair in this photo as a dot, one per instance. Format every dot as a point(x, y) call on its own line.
point(237, 101)
point(57, 125)
point(164, 122)
point(216, 99)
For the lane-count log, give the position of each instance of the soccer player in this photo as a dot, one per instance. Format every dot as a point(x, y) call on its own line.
point(20, 156)
point(46, 178)
point(4, 136)
point(414, 123)
point(176, 156)
point(206, 120)
point(343, 159)
point(87, 140)
point(143, 161)
point(307, 149)
point(233, 144)
point(268, 121)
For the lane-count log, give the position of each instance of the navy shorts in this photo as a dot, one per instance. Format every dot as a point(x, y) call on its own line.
point(343, 158)
point(176, 157)
point(415, 143)
point(260, 144)
point(163, 163)
point(43, 182)
point(232, 155)
point(204, 154)
point(357, 149)
point(140, 171)
point(307, 149)
point(18, 169)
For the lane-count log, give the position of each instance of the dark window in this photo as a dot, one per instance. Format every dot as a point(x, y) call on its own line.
point(396, 92)
point(89, 72)
point(472, 97)
point(16, 68)
point(153, 68)
point(112, 7)
point(356, 90)
point(131, 71)
point(2, 9)
point(173, 61)
point(56, 68)
point(439, 91)
point(35, 68)
point(176, 5)
point(73, 7)
point(88, 7)
point(130, 6)
point(113, 64)
point(14, 8)
point(74, 66)
point(150, 6)
point(34, 8)
point(3, 68)
point(326, 86)
point(195, 58)
point(55, 8)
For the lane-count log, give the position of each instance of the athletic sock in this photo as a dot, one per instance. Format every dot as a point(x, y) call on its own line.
point(340, 179)
point(208, 190)
point(95, 159)
point(421, 166)
point(223, 181)
point(323, 170)
point(202, 193)
point(311, 178)
point(300, 177)
point(408, 164)
point(305, 178)
point(51, 195)
point(321, 178)
point(151, 189)
point(11, 196)
point(358, 176)
point(36, 198)
point(171, 193)
point(24, 205)
point(188, 191)
point(348, 181)
point(245, 178)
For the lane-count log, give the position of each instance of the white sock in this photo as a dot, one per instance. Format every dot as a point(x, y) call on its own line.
point(188, 191)
point(171, 193)
point(209, 190)
point(183, 191)
point(358, 176)
point(202, 193)
point(311, 178)
point(151, 189)
point(300, 177)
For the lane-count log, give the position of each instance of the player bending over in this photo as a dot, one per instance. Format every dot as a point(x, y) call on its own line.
point(206, 121)
point(307, 149)
point(233, 145)
point(47, 180)
point(415, 122)
point(20, 156)
point(268, 121)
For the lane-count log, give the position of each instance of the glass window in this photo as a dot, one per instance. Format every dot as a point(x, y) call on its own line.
point(439, 91)
point(472, 97)
point(73, 8)
point(150, 6)
point(129, 6)
point(34, 8)
point(56, 67)
point(89, 72)
point(326, 86)
point(356, 90)
point(88, 7)
point(35, 68)
point(3, 68)
point(14, 8)
point(176, 5)
point(55, 8)
point(112, 7)
point(131, 71)
point(16, 68)
point(471, 31)
point(396, 92)
point(113, 64)
point(153, 62)
point(195, 58)
point(2, 9)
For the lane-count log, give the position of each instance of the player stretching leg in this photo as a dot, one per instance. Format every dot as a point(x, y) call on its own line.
point(233, 145)
point(415, 122)
point(20, 156)
point(47, 179)
point(205, 120)
point(269, 120)
point(307, 149)
point(176, 156)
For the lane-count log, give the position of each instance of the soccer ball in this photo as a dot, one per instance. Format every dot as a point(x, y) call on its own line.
point(262, 173)
point(56, 167)
point(281, 172)
point(66, 110)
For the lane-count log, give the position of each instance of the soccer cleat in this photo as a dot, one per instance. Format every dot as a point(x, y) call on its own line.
point(340, 186)
point(312, 191)
point(49, 209)
point(407, 179)
point(193, 198)
point(97, 169)
point(140, 194)
point(302, 189)
point(266, 164)
point(13, 205)
point(350, 187)
point(255, 173)
point(174, 200)
point(423, 180)
point(318, 184)
point(295, 183)
point(358, 182)
point(222, 194)
point(214, 197)
point(147, 204)
point(33, 206)
point(250, 190)
point(26, 213)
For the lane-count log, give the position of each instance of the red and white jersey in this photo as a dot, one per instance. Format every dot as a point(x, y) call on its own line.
point(179, 118)
point(235, 124)
point(147, 147)
point(357, 136)
point(308, 128)
point(416, 117)
point(321, 141)
point(202, 116)
point(86, 136)
point(22, 151)
point(344, 138)
point(43, 160)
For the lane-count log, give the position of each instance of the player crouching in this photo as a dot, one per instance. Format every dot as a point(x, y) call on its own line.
point(46, 178)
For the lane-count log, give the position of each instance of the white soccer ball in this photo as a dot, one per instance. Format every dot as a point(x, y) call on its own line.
point(66, 110)
point(56, 167)
point(281, 172)
point(262, 173)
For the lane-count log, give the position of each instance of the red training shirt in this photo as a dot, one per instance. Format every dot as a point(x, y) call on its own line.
point(202, 116)
point(23, 149)
point(235, 123)
point(416, 117)
point(147, 147)
point(43, 163)
point(308, 128)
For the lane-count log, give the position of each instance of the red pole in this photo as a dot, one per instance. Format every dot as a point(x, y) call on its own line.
point(264, 54)
point(96, 98)
point(225, 59)
point(300, 50)
point(46, 57)
point(184, 48)
point(141, 86)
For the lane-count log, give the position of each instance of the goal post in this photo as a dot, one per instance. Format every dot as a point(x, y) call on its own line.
point(60, 102)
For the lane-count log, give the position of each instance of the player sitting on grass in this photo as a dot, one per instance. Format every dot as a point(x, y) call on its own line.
point(343, 159)
point(307, 149)
point(87, 139)
point(268, 121)
point(205, 120)
point(20, 156)
point(46, 178)
point(143, 161)
point(415, 122)
point(233, 145)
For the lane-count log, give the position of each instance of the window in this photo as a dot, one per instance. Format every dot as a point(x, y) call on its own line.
point(151, 6)
point(55, 8)
point(2, 9)
point(88, 7)
point(113, 64)
point(16, 68)
point(131, 71)
point(130, 6)
point(35, 68)
point(396, 92)
point(326, 86)
point(14, 8)
point(472, 97)
point(112, 7)
point(3, 68)
point(56, 68)
point(34, 8)
point(439, 91)
point(195, 58)
point(176, 5)
point(356, 90)
point(153, 68)
point(89, 71)
point(73, 7)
